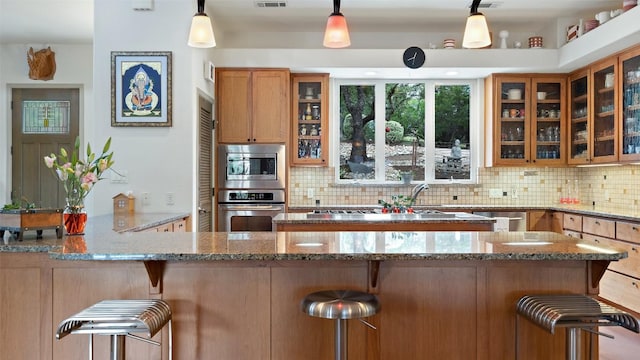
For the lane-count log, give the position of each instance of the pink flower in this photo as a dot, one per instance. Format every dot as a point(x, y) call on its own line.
point(90, 178)
point(49, 160)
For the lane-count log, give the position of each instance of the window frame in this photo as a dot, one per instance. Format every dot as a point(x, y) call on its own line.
point(476, 122)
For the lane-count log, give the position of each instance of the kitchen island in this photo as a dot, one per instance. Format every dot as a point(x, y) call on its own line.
point(444, 295)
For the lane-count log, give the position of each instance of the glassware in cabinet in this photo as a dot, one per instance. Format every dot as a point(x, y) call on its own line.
point(310, 119)
point(630, 134)
point(549, 128)
point(512, 120)
point(604, 122)
point(579, 118)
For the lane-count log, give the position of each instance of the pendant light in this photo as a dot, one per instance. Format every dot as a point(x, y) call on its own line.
point(476, 33)
point(336, 34)
point(201, 33)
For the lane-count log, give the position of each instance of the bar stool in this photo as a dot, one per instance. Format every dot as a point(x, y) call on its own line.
point(119, 318)
point(574, 312)
point(341, 305)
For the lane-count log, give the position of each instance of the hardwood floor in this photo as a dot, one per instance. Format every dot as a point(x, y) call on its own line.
point(625, 346)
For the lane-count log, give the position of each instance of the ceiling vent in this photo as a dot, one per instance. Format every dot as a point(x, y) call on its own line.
point(142, 5)
point(271, 4)
point(487, 5)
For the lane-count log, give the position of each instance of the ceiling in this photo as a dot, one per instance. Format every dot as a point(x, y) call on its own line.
point(69, 21)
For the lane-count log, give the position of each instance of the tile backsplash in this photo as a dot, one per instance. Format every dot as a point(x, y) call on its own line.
point(615, 187)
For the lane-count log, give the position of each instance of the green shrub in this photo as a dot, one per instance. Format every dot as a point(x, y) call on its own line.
point(394, 132)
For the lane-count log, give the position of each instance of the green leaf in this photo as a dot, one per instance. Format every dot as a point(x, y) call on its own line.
point(106, 146)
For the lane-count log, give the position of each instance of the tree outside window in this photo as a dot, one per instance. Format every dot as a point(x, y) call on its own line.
point(389, 131)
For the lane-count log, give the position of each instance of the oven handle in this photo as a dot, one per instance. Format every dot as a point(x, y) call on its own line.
point(252, 207)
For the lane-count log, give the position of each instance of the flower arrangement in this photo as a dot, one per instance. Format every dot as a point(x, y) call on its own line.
point(79, 175)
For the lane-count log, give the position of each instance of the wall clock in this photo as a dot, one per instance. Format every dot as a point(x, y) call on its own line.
point(413, 57)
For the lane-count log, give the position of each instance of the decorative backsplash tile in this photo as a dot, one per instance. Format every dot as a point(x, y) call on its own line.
point(615, 187)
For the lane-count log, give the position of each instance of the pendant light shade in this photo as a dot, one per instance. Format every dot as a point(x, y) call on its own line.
point(336, 34)
point(476, 32)
point(201, 33)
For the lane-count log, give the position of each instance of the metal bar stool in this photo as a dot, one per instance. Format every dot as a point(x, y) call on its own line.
point(574, 312)
point(119, 318)
point(341, 305)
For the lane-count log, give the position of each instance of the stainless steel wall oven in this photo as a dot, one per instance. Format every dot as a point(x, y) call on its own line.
point(251, 181)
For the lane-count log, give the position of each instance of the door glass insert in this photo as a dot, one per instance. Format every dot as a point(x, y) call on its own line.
point(579, 133)
point(631, 102)
point(603, 119)
point(45, 117)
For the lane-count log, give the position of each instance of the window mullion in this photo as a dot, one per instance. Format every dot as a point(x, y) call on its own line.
point(380, 131)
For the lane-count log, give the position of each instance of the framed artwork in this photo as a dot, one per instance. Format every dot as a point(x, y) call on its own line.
point(141, 88)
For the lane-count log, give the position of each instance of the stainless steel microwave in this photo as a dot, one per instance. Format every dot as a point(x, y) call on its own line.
point(253, 166)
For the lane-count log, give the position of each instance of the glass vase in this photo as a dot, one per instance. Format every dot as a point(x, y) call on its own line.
point(74, 216)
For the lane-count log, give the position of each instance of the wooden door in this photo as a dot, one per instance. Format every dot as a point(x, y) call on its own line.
point(205, 161)
point(270, 98)
point(43, 120)
point(233, 105)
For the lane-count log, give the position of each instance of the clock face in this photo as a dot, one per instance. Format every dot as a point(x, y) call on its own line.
point(413, 57)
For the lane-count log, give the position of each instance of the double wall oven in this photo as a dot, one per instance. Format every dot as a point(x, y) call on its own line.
point(251, 182)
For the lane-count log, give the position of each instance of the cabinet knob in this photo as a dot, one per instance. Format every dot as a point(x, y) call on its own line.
point(634, 249)
point(597, 222)
point(634, 228)
point(633, 283)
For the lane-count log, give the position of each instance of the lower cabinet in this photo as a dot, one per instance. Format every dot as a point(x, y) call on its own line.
point(621, 282)
point(181, 225)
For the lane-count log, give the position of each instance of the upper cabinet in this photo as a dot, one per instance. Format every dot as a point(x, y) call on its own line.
point(252, 105)
point(310, 119)
point(593, 128)
point(529, 125)
point(604, 130)
point(579, 104)
point(629, 64)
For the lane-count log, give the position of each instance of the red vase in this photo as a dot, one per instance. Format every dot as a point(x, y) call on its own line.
point(74, 223)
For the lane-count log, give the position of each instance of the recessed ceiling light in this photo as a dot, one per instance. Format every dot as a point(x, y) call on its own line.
point(451, 73)
point(370, 73)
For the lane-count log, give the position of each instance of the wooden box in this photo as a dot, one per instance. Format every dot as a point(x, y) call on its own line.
point(19, 221)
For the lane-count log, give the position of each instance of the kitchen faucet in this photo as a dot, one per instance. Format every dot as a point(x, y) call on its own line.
point(417, 190)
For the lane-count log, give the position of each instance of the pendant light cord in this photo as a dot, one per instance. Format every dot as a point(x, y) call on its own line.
point(336, 7)
point(200, 6)
point(474, 7)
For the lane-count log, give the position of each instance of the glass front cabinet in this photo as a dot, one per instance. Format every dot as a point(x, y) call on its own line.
point(310, 119)
point(604, 128)
point(529, 125)
point(578, 110)
point(629, 65)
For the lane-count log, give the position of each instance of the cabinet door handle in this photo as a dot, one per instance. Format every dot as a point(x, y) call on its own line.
point(633, 283)
point(634, 249)
point(634, 228)
point(596, 240)
point(571, 218)
point(597, 222)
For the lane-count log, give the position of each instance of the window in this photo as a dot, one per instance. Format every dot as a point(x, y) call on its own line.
point(405, 131)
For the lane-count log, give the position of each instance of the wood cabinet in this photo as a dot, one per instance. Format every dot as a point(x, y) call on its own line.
point(593, 125)
point(629, 65)
point(252, 105)
point(604, 128)
point(621, 282)
point(182, 225)
point(544, 220)
point(529, 119)
point(310, 119)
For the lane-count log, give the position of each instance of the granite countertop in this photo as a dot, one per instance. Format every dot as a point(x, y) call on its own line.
point(274, 246)
point(588, 210)
point(447, 217)
point(104, 225)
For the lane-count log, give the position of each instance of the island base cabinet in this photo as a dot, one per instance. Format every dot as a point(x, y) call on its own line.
point(25, 316)
point(250, 309)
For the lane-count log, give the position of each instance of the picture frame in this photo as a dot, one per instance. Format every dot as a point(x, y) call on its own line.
point(141, 88)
